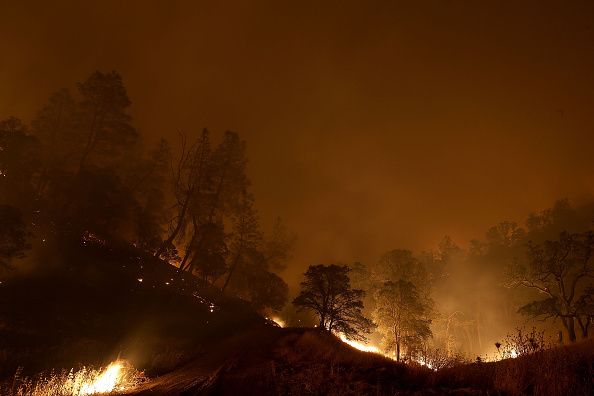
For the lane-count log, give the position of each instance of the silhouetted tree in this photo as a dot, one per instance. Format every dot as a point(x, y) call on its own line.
point(19, 164)
point(327, 292)
point(148, 183)
point(57, 127)
point(94, 200)
point(260, 286)
point(562, 270)
point(209, 259)
point(400, 264)
point(246, 239)
point(104, 130)
point(79, 175)
point(505, 234)
point(190, 183)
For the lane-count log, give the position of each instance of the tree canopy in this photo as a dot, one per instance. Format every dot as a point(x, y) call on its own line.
point(80, 173)
point(402, 317)
point(327, 292)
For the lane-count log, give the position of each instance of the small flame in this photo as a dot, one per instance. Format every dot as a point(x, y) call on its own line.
point(425, 363)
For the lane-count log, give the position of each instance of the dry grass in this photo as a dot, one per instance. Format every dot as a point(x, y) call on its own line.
point(311, 362)
point(271, 361)
point(116, 378)
point(560, 371)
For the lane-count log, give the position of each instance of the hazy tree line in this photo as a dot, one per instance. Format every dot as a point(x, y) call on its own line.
point(464, 300)
point(81, 171)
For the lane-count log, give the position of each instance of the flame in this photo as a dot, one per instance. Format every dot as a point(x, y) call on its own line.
point(275, 319)
point(425, 363)
point(358, 345)
point(119, 376)
point(106, 382)
point(373, 349)
point(503, 354)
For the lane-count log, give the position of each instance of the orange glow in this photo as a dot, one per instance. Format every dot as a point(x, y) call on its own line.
point(359, 346)
point(119, 376)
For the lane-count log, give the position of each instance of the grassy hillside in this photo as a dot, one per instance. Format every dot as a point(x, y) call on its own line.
point(192, 340)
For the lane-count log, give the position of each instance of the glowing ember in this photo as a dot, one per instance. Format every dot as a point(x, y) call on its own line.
point(117, 377)
point(422, 362)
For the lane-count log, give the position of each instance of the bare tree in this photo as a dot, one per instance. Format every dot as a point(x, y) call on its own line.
point(189, 175)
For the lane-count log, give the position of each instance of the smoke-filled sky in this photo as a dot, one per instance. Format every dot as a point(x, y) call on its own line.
point(370, 125)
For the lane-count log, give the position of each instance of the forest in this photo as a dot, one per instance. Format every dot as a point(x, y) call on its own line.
point(296, 198)
point(81, 192)
point(464, 301)
point(79, 173)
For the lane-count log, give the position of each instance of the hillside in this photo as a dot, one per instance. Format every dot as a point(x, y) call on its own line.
point(184, 334)
point(190, 339)
point(276, 361)
point(103, 303)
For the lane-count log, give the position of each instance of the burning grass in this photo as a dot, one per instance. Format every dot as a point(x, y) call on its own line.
point(117, 377)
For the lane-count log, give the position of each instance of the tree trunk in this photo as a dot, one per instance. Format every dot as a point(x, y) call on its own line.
point(397, 342)
point(569, 324)
point(177, 229)
point(584, 325)
point(189, 247)
point(92, 138)
point(182, 265)
point(231, 270)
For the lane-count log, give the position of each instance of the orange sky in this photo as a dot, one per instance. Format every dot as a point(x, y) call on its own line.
point(370, 124)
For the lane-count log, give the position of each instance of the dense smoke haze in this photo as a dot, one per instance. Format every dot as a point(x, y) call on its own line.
point(370, 126)
point(342, 197)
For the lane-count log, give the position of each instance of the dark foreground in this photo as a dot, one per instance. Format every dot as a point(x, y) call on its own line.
point(191, 340)
point(276, 361)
